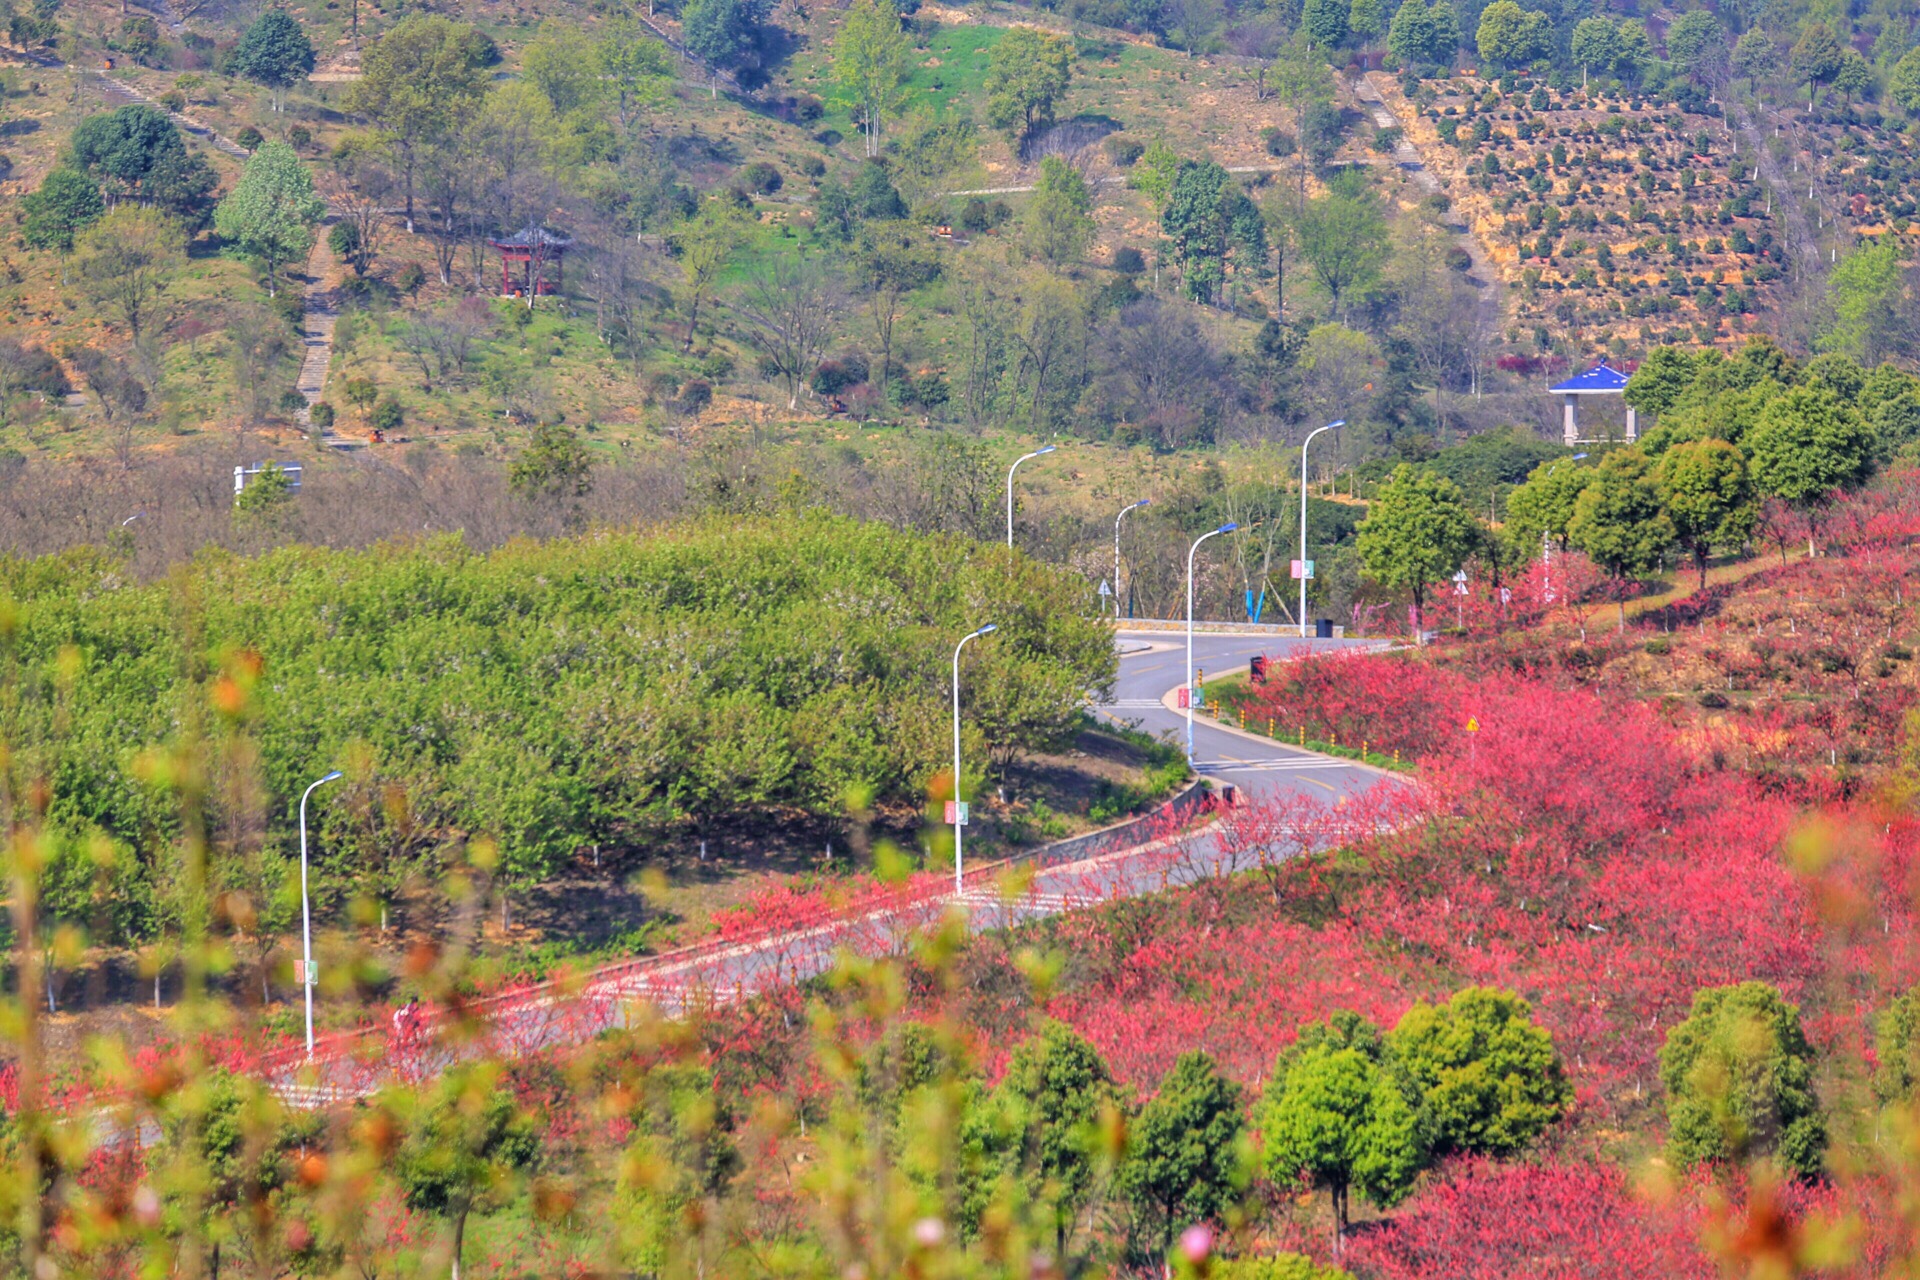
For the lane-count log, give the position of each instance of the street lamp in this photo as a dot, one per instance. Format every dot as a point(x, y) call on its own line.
point(1228, 527)
point(1303, 518)
point(959, 809)
point(1546, 540)
point(306, 916)
point(1116, 550)
point(1037, 453)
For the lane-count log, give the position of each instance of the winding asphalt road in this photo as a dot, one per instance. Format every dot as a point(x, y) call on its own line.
point(1152, 670)
point(1126, 862)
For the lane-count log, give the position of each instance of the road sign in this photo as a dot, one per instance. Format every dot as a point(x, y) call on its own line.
point(1460, 583)
point(957, 813)
point(1301, 568)
point(1473, 725)
point(1105, 590)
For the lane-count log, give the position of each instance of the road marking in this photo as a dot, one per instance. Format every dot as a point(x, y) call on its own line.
point(1283, 765)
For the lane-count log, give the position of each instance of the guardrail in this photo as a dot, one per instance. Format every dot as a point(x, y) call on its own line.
point(879, 920)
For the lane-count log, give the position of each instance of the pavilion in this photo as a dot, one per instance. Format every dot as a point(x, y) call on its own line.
point(533, 247)
point(1601, 380)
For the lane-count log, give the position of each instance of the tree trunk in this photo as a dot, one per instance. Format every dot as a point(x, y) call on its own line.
point(459, 1241)
point(1339, 1195)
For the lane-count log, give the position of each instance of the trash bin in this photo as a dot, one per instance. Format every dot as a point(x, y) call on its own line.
point(1323, 628)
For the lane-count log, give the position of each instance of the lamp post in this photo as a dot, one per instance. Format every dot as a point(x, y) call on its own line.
point(306, 916)
point(1303, 518)
point(1546, 541)
point(1116, 550)
point(1228, 527)
point(1037, 453)
point(959, 812)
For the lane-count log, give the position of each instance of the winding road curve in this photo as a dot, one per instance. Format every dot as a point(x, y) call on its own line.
point(1137, 859)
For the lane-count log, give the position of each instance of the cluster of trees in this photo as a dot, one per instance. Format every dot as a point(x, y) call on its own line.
point(124, 208)
point(1732, 432)
point(548, 697)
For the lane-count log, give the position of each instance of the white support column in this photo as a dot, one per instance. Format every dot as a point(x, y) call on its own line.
point(1571, 423)
point(1633, 425)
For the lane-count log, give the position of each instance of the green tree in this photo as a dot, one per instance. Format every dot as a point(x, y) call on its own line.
point(1697, 44)
point(1339, 1111)
point(1738, 1074)
point(1544, 504)
point(272, 210)
point(1903, 83)
point(1619, 522)
point(890, 261)
point(1489, 1077)
point(565, 66)
point(1896, 1042)
point(1704, 486)
point(1411, 36)
point(66, 203)
point(273, 52)
point(726, 33)
point(1186, 1162)
point(1510, 36)
point(1364, 21)
point(1595, 43)
point(1853, 77)
point(1632, 49)
point(265, 494)
point(1417, 530)
point(704, 244)
point(1816, 58)
point(137, 155)
point(1044, 1121)
point(1059, 217)
point(1755, 55)
point(1343, 236)
point(637, 67)
point(1807, 446)
point(1207, 217)
point(1027, 76)
point(1662, 378)
point(419, 84)
point(1326, 23)
point(1155, 172)
point(467, 1142)
point(126, 263)
point(873, 196)
point(872, 59)
point(554, 464)
point(1303, 84)
point(1865, 291)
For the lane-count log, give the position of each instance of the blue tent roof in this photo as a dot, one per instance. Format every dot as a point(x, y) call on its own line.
point(1602, 379)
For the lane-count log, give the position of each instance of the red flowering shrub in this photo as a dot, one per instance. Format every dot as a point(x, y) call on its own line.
point(1540, 1222)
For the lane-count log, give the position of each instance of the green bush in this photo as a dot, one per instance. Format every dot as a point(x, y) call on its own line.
point(389, 414)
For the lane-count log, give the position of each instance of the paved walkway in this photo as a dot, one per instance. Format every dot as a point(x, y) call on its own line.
point(317, 331)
